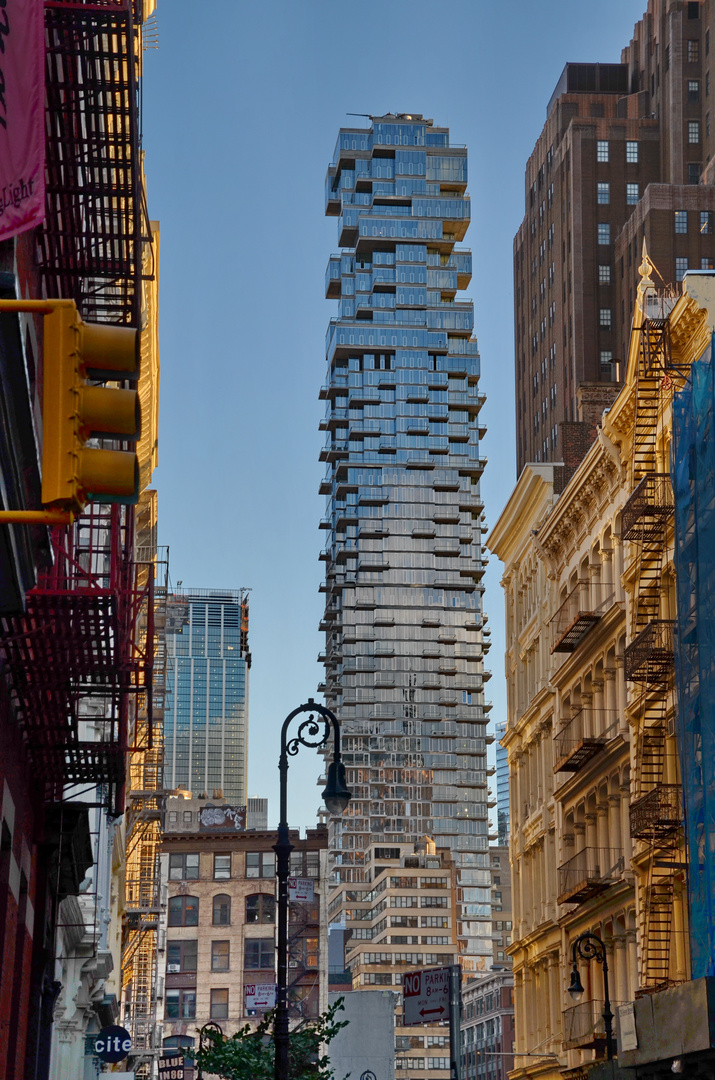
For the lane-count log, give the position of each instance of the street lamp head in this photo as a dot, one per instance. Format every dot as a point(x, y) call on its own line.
point(335, 792)
point(576, 988)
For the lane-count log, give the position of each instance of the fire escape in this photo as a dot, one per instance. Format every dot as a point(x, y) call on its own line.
point(303, 950)
point(84, 659)
point(655, 813)
point(145, 801)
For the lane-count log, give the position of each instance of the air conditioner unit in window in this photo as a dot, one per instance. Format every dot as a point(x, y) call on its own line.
point(172, 969)
point(293, 964)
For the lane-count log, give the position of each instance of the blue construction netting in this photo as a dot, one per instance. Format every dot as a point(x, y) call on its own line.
point(693, 474)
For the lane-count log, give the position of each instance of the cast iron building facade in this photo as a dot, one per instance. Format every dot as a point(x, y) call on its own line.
point(403, 612)
point(626, 153)
point(207, 699)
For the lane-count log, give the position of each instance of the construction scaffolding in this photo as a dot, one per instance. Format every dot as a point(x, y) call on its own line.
point(646, 522)
point(693, 471)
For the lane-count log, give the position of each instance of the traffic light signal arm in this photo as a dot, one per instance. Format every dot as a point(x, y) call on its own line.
point(74, 410)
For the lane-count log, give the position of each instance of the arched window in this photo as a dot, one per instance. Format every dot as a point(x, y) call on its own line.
point(222, 909)
point(183, 911)
point(260, 908)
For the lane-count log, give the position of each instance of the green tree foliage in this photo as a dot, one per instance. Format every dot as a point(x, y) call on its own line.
point(250, 1053)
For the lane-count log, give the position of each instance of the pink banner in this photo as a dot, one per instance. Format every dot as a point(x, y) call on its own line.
point(22, 116)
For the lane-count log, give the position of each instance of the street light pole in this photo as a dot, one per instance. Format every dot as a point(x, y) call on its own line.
point(588, 946)
point(215, 1029)
point(313, 732)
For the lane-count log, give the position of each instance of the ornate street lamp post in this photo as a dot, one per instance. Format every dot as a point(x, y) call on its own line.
point(215, 1029)
point(313, 732)
point(588, 946)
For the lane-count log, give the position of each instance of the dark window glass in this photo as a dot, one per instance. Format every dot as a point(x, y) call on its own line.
point(260, 864)
point(183, 911)
point(259, 953)
point(260, 908)
point(222, 910)
point(219, 1004)
point(220, 956)
point(181, 955)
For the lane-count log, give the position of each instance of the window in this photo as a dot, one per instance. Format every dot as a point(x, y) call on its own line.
point(605, 318)
point(681, 221)
point(260, 864)
point(188, 817)
point(706, 222)
point(707, 84)
point(602, 150)
point(183, 911)
point(632, 194)
point(604, 274)
point(183, 867)
point(466, 697)
point(604, 232)
point(694, 91)
point(259, 953)
point(603, 190)
point(219, 1004)
point(707, 264)
point(606, 362)
point(222, 867)
point(181, 955)
point(173, 817)
point(220, 955)
point(260, 908)
point(694, 172)
point(632, 153)
point(693, 9)
point(693, 131)
point(181, 1004)
point(222, 910)
point(707, 124)
point(681, 266)
point(693, 51)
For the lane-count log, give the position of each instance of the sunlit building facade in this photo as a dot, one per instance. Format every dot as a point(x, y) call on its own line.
point(403, 612)
point(206, 727)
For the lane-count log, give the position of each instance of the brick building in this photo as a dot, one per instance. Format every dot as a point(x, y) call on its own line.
point(626, 152)
point(219, 881)
point(488, 1027)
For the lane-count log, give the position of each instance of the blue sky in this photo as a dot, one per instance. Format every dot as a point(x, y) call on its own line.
point(242, 105)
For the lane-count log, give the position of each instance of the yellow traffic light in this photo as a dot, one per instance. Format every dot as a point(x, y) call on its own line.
point(74, 410)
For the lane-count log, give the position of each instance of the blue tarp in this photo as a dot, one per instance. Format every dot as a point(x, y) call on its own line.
point(693, 475)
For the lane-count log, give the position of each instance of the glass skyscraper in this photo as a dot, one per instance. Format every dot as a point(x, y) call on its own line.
point(404, 564)
point(206, 715)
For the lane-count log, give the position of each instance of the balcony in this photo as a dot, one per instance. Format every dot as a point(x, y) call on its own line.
point(648, 508)
point(584, 606)
point(650, 657)
point(587, 873)
point(657, 813)
point(583, 737)
point(583, 1026)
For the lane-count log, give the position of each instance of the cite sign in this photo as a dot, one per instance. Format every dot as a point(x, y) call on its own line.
point(112, 1044)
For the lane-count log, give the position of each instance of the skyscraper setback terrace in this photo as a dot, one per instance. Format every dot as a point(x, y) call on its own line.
point(403, 614)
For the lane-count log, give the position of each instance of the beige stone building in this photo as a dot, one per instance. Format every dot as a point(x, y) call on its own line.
point(404, 918)
point(220, 911)
point(596, 837)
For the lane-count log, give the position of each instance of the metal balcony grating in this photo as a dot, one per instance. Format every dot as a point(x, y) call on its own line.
point(648, 509)
point(582, 738)
point(96, 220)
point(650, 657)
point(587, 873)
point(580, 611)
point(658, 813)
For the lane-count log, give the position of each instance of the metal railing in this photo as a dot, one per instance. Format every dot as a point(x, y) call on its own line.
point(582, 737)
point(583, 1025)
point(588, 872)
point(580, 611)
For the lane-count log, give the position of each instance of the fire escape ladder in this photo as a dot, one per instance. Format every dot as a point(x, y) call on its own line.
point(655, 813)
point(657, 914)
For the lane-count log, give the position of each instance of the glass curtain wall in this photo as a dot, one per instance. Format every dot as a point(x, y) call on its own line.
point(403, 557)
point(206, 718)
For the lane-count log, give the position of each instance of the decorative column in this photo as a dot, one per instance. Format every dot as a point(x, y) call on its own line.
point(598, 722)
point(587, 725)
point(632, 963)
point(611, 717)
point(614, 823)
point(620, 965)
point(603, 840)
